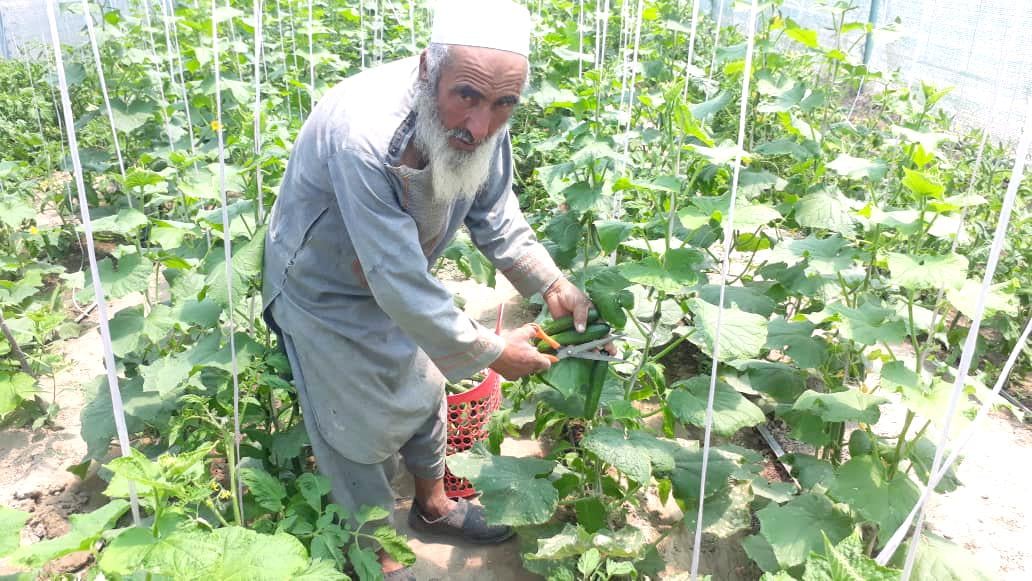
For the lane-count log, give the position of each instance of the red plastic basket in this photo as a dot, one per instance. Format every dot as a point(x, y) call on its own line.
point(468, 414)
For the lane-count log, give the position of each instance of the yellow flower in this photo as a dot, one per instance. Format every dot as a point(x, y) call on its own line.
point(215, 125)
point(33, 230)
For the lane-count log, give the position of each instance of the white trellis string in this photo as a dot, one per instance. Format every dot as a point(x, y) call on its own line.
point(60, 119)
point(725, 266)
point(258, 42)
point(580, 40)
point(160, 83)
point(716, 42)
point(412, 22)
point(691, 47)
point(311, 56)
point(35, 109)
point(283, 52)
point(103, 91)
point(976, 322)
point(168, 12)
point(226, 246)
point(98, 288)
point(293, 45)
point(605, 31)
point(969, 433)
point(362, 27)
point(598, 33)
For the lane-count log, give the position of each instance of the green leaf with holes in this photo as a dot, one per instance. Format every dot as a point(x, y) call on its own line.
point(846, 561)
point(510, 489)
point(131, 274)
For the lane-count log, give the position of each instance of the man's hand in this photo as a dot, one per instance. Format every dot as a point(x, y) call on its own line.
point(564, 298)
point(520, 357)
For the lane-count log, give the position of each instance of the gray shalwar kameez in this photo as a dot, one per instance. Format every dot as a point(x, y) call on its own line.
point(370, 333)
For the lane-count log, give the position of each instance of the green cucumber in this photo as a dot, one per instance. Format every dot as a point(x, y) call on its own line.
point(859, 443)
point(595, 384)
point(593, 332)
point(565, 323)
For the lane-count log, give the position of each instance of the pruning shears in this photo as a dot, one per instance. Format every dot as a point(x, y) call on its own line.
point(590, 350)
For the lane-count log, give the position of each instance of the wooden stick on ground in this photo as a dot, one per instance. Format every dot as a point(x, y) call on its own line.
point(14, 346)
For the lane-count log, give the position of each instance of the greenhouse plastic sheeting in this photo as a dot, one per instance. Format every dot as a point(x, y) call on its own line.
point(23, 24)
point(980, 48)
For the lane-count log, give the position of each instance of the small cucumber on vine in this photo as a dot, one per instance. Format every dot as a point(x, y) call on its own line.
point(859, 443)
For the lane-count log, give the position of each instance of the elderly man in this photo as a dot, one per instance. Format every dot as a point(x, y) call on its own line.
point(388, 166)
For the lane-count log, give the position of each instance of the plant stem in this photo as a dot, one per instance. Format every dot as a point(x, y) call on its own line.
point(231, 468)
point(899, 442)
point(22, 361)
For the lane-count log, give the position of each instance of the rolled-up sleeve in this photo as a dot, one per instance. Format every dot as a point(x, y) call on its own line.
point(498, 228)
point(386, 241)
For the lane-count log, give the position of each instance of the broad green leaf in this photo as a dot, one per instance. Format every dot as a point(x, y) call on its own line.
point(127, 222)
point(313, 487)
point(731, 411)
point(127, 331)
point(711, 106)
point(85, 530)
point(943, 560)
point(803, 36)
point(798, 527)
point(582, 196)
point(926, 396)
point(570, 376)
point(166, 376)
point(687, 474)
point(808, 470)
point(919, 183)
point(267, 490)
point(785, 95)
point(320, 570)
point(142, 409)
point(723, 154)
point(651, 272)
point(395, 545)
point(779, 492)
point(842, 406)
point(870, 324)
point(179, 552)
point(130, 117)
point(569, 542)
point(760, 551)
point(786, 146)
point(365, 562)
point(743, 334)
point(796, 339)
point(863, 484)
point(827, 257)
point(14, 211)
point(629, 455)
point(246, 555)
point(15, 292)
point(858, 167)
point(11, 523)
point(247, 266)
point(826, 209)
point(724, 514)
point(611, 233)
point(743, 298)
point(510, 490)
point(591, 513)
point(918, 272)
point(132, 274)
point(965, 297)
point(780, 381)
point(922, 454)
point(14, 389)
point(846, 561)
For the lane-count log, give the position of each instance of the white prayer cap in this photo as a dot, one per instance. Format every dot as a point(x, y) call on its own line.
point(498, 24)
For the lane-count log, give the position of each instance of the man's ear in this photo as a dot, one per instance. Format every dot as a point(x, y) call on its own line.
point(422, 65)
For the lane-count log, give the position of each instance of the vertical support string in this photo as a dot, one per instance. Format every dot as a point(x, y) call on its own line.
point(227, 250)
point(716, 43)
point(968, 353)
point(98, 287)
point(689, 65)
point(724, 268)
point(311, 58)
point(258, 46)
point(168, 12)
point(88, 15)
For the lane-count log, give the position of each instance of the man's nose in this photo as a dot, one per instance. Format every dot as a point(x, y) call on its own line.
point(479, 124)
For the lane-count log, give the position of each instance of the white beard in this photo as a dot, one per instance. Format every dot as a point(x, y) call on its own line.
point(454, 173)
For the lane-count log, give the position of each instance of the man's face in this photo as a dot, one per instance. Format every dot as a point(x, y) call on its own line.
point(477, 93)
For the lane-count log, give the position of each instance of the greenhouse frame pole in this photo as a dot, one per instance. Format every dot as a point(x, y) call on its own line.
point(872, 19)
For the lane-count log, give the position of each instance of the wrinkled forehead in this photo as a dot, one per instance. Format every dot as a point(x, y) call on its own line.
point(488, 70)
